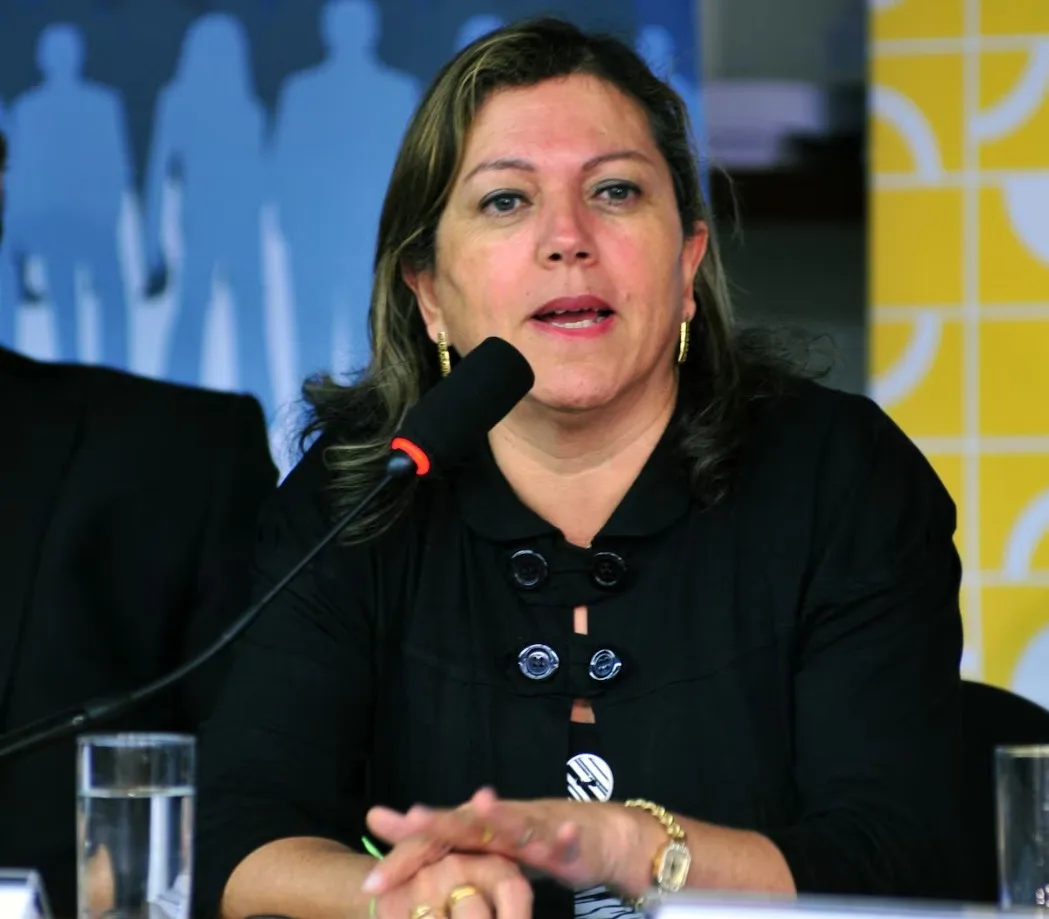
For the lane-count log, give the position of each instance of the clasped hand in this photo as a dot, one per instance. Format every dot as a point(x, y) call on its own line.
point(472, 862)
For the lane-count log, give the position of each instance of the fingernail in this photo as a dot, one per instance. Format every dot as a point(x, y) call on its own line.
point(372, 882)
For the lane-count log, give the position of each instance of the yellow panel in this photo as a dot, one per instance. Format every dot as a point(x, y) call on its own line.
point(889, 150)
point(919, 19)
point(1012, 617)
point(920, 248)
point(1014, 17)
point(923, 359)
point(930, 113)
point(1014, 242)
point(1021, 141)
point(1014, 498)
point(1014, 378)
point(916, 246)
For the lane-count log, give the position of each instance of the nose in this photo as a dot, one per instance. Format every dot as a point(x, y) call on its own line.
point(566, 236)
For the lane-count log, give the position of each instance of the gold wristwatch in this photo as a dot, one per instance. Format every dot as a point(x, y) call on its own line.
point(671, 863)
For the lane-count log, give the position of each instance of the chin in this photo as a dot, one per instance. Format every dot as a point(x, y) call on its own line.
point(572, 400)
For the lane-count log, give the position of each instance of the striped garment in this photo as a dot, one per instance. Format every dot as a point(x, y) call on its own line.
point(590, 779)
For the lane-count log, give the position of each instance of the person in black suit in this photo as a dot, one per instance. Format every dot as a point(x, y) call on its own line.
point(127, 518)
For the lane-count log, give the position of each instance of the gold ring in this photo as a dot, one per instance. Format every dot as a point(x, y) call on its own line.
point(487, 835)
point(461, 893)
point(421, 912)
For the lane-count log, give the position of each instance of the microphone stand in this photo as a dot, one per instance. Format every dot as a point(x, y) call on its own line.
point(72, 721)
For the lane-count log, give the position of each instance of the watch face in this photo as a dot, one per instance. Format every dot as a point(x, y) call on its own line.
point(673, 867)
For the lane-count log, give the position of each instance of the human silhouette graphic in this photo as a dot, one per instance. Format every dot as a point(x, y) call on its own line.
point(70, 169)
point(476, 26)
point(209, 134)
point(656, 45)
point(9, 300)
point(337, 132)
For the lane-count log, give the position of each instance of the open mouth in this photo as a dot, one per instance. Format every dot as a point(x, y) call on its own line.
point(574, 319)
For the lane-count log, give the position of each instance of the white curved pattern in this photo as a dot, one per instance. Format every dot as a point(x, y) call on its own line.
point(1027, 201)
point(904, 376)
point(879, 6)
point(901, 112)
point(1031, 675)
point(1020, 103)
point(590, 778)
point(1024, 538)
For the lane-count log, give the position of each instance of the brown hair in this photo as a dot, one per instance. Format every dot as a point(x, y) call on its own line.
point(726, 369)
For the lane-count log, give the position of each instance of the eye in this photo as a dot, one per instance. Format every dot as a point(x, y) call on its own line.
point(502, 202)
point(619, 192)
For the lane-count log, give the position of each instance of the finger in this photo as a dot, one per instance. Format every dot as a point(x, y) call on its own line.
point(403, 862)
point(484, 798)
point(562, 856)
point(392, 826)
point(519, 834)
point(512, 896)
point(511, 825)
point(468, 902)
point(503, 827)
point(458, 829)
point(423, 891)
point(507, 892)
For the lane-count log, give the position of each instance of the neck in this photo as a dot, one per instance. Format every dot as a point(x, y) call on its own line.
point(573, 469)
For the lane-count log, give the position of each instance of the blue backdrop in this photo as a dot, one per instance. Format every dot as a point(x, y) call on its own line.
point(194, 186)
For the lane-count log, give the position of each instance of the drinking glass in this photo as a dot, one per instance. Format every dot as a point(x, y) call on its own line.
point(1022, 783)
point(135, 797)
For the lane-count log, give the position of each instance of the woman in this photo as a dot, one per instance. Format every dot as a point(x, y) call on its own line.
point(702, 581)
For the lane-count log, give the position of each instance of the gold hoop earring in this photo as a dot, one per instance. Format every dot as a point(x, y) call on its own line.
point(444, 356)
point(682, 342)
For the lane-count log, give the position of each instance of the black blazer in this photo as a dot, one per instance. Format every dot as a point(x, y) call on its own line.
point(789, 657)
point(127, 516)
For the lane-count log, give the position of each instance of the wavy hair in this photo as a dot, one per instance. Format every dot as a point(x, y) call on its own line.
point(727, 368)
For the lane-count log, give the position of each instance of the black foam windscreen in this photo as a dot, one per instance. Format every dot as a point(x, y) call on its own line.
point(452, 420)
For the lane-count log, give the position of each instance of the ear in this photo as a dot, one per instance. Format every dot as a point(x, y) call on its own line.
point(421, 283)
point(692, 251)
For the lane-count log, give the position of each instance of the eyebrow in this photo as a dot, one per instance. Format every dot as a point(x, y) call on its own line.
point(503, 163)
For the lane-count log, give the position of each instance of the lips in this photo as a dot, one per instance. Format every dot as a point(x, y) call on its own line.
point(574, 312)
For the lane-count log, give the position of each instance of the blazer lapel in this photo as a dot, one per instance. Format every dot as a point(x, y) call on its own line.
point(39, 433)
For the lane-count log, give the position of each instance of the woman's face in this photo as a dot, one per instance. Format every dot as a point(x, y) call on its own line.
point(562, 236)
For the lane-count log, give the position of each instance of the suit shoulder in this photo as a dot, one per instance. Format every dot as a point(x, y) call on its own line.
point(167, 421)
point(812, 417)
point(836, 444)
point(811, 433)
point(187, 403)
point(125, 392)
point(15, 365)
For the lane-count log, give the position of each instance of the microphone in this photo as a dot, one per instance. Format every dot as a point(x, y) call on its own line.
point(447, 424)
point(453, 419)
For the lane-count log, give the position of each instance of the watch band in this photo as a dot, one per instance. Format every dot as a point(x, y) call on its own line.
point(671, 863)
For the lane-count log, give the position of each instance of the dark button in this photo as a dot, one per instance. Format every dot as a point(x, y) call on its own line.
point(537, 662)
point(528, 569)
point(608, 570)
point(604, 665)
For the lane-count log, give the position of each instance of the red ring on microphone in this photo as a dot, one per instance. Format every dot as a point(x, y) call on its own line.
point(417, 454)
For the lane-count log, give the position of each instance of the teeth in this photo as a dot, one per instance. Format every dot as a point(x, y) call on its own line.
point(580, 323)
point(565, 312)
